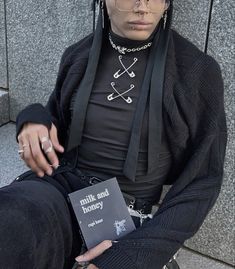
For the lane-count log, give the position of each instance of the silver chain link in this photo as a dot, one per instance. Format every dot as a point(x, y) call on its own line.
point(123, 50)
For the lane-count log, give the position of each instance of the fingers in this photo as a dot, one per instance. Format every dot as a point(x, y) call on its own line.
point(38, 156)
point(47, 147)
point(54, 139)
point(95, 252)
point(38, 152)
point(27, 157)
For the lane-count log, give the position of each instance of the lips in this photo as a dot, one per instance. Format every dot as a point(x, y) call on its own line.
point(140, 22)
point(140, 25)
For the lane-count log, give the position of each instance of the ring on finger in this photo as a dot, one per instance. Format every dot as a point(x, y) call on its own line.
point(50, 148)
point(83, 265)
point(25, 145)
point(20, 151)
point(44, 139)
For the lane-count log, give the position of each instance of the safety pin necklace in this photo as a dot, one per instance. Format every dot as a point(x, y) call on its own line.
point(122, 50)
point(126, 69)
point(111, 96)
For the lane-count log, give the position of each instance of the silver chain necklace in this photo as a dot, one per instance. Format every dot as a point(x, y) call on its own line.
point(123, 50)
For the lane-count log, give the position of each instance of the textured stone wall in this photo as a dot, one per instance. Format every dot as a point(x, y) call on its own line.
point(191, 20)
point(3, 64)
point(4, 107)
point(38, 32)
point(4, 97)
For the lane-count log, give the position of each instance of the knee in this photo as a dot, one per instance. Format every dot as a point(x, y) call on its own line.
point(17, 214)
point(33, 207)
point(16, 237)
point(32, 225)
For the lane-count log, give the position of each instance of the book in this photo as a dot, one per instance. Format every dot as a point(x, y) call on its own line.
point(101, 212)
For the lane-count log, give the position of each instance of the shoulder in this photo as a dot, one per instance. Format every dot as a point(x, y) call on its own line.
point(190, 59)
point(198, 85)
point(77, 50)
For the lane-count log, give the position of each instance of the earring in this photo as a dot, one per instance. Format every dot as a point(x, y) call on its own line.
point(165, 20)
point(102, 10)
point(102, 4)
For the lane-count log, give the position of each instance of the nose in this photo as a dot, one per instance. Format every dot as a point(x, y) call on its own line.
point(141, 6)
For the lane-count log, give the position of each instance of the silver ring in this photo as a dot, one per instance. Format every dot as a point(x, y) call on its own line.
point(50, 148)
point(44, 139)
point(25, 145)
point(83, 265)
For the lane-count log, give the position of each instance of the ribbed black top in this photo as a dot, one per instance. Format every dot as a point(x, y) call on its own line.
point(108, 123)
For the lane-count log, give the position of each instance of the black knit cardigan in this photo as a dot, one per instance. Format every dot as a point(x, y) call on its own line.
point(194, 120)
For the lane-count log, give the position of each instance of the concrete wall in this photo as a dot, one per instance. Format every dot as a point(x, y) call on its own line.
point(3, 64)
point(38, 32)
point(191, 20)
point(4, 96)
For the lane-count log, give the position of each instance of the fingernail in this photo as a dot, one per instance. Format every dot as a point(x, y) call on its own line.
point(49, 172)
point(41, 174)
point(56, 166)
point(80, 258)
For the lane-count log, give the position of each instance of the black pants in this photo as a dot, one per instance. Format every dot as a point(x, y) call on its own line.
point(38, 229)
point(37, 226)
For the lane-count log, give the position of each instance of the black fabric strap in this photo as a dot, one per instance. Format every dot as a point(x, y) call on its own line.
point(155, 76)
point(84, 91)
point(155, 105)
point(131, 162)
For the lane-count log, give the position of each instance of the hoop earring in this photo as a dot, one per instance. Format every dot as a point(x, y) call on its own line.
point(164, 20)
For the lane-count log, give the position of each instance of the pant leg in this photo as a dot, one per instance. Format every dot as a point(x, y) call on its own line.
point(36, 229)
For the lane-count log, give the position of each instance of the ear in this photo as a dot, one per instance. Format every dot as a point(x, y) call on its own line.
point(167, 4)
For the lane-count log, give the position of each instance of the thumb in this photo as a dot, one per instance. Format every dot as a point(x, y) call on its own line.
point(54, 139)
point(95, 251)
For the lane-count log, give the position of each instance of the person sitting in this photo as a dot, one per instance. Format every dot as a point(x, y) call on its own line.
point(133, 100)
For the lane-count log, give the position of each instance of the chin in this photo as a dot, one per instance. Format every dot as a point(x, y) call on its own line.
point(138, 35)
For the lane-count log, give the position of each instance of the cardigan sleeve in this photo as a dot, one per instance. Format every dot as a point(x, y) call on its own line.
point(51, 113)
point(56, 109)
point(192, 196)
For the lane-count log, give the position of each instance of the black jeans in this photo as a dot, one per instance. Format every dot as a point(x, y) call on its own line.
point(38, 229)
point(37, 226)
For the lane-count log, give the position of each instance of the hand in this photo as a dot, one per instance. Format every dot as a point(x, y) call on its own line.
point(31, 140)
point(94, 252)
